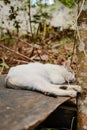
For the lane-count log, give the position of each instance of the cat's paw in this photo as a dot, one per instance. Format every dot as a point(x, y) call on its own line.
point(73, 93)
point(77, 88)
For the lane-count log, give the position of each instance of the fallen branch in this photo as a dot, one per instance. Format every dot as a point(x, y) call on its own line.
point(23, 41)
point(17, 53)
point(30, 46)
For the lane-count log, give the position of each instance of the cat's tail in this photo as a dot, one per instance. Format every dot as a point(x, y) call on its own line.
point(10, 83)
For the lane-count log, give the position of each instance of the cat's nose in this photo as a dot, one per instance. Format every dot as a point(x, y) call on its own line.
point(72, 80)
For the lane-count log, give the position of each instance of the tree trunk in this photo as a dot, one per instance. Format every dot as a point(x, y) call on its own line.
point(82, 69)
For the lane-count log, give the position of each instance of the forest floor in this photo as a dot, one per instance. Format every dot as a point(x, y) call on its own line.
point(56, 48)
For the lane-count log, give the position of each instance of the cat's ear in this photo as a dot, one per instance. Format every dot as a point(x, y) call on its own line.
point(67, 64)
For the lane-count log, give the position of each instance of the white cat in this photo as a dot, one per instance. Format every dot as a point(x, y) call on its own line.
point(45, 78)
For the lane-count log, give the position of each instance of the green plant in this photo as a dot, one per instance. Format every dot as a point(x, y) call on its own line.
point(68, 3)
point(40, 18)
point(2, 66)
point(46, 129)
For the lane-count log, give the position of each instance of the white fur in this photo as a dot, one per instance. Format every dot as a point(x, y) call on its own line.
point(42, 77)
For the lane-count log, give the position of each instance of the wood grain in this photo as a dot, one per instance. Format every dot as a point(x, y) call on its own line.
point(22, 110)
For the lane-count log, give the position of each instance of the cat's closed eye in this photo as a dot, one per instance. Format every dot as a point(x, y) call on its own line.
point(63, 87)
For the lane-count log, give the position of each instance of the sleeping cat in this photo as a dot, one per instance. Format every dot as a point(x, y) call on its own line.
point(45, 78)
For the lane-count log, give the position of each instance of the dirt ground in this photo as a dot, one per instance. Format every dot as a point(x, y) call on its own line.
point(56, 48)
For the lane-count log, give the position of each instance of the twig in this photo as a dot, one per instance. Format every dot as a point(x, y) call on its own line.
point(23, 56)
point(24, 42)
point(33, 57)
point(80, 9)
point(77, 29)
point(39, 54)
point(44, 30)
point(21, 61)
point(29, 14)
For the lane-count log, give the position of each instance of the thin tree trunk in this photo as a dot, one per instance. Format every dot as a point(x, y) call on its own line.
point(82, 69)
point(82, 80)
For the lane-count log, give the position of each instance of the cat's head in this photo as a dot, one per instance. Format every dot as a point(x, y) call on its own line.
point(70, 75)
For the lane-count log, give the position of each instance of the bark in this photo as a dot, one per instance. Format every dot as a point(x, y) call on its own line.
point(82, 70)
point(82, 81)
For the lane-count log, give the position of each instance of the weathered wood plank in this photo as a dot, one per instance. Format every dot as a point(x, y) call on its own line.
point(22, 110)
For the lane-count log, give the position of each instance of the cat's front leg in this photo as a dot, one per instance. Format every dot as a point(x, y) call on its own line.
point(74, 87)
point(69, 87)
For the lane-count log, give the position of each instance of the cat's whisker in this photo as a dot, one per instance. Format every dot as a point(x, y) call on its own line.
point(68, 82)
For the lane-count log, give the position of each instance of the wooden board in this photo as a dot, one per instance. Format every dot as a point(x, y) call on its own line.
point(22, 110)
